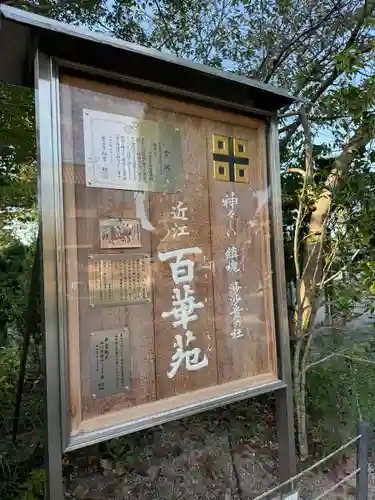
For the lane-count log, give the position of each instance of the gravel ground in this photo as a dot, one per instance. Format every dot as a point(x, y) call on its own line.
point(195, 460)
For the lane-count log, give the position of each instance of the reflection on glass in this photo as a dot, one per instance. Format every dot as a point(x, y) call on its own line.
point(168, 273)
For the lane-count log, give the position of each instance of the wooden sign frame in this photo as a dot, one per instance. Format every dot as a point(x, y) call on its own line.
point(77, 433)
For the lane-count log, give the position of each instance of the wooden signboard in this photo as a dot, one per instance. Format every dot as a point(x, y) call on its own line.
point(169, 294)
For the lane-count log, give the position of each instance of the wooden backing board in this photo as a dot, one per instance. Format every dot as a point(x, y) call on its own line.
point(240, 362)
point(166, 238)
point(249, 354)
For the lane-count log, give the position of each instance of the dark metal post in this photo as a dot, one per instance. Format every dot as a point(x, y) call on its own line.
point(363, 429)
point(284, 397)
point(285, 435)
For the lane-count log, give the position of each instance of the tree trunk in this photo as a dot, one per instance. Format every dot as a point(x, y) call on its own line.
point(300, 403)
point(299, 392)
point(313, 264)
point(302, 431)
point(299, 400)
point(311, 277)
point(327, 307)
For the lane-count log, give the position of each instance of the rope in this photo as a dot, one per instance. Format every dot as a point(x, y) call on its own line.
point(346, 478)
point(312, 467)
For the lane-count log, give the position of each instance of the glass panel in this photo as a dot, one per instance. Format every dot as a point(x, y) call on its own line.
point(167, 234)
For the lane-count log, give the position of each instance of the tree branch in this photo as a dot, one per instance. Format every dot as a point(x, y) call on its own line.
point(330, 260)
point(213, 33)
point(306, 180)
point(294, 170)
point(287, 115)
point(364, 133)
point(336, 72)
point(286, 128)
point(167, 27)
point(331, 278)
point(284, 54)
point(322, 360)
point(354, 358)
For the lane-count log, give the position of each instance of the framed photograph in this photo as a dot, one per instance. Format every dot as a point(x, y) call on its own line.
point(116, 232)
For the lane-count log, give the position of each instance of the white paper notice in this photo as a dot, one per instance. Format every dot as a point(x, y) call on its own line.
point(122, 152)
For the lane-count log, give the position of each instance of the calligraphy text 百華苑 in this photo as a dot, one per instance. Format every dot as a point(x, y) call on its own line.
point(184, 311)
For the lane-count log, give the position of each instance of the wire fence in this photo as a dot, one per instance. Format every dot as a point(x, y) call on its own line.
point(362, 440)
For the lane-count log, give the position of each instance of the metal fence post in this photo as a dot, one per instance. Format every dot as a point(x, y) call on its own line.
point(363, 428)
